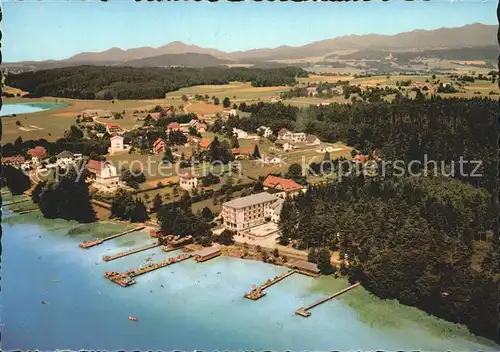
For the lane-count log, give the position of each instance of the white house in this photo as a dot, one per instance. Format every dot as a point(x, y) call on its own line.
point(285, 145)
point(240, 133)
point(233, 112)
point(299, 137)
point(65, 158)
point(266, 130)
point(104, 174)
point(311, 139)
point(275, 99)
point(242, 214)
point(188, 181)
point(285, 134)
point(116, 144)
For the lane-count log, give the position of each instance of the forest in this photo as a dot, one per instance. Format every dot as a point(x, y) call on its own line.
point(104, 82)
point(426, 241)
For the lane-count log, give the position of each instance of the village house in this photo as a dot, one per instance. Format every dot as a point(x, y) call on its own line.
point(16, 161)
point(113, 128)
point(233, 112)
point(284, 145)
point(188, 181)
point(240, 133)
point(194, 139)
point(360, 159)
point(173, 126)
point(104, 174)
point(205, 144)
point(324, 103)
point(281, 187)
point(242, 153)
point(271, 160)
point(311, 139)
point(311, 91)
point(327, 149)
point(155, 115)
point(244, 213)
point(267, 132)
point(65, 158)
point(159, 146)
point(285, 134)
point(37, 153)
point(275, 99)
point(200, 127)
point(299, 137)
point(117, 145)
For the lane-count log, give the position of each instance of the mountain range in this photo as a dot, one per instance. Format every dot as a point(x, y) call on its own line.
point(474, 35)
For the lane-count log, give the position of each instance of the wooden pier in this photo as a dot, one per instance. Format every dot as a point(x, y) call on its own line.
point(159, 265)
point(304, 311)
point(120, 279)
point(26, 211)
point(17, 201)
point(108, 258)
point(86, 245)
point(258, 292)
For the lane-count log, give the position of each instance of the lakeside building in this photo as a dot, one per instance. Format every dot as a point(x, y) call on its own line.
point(282, 187)
point(174, 126)
point(243, 213)
point(285, 134)
point(188, 181)
point(104, 174)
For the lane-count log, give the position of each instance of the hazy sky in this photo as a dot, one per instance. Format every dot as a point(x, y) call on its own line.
point(55, 29)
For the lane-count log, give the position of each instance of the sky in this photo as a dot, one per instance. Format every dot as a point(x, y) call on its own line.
point(57, 29)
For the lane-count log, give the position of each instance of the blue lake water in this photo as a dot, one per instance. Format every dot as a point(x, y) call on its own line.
point(26, 108)
point(200, 306)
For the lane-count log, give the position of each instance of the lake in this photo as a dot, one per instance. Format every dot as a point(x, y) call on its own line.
point(26, 108)
point(54, 296)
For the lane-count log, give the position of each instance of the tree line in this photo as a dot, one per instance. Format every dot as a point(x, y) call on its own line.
point(104, 82)
point(407, 238)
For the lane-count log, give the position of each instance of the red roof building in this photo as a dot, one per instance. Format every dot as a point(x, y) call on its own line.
point(173, 126)
point(205, 143)
point(159, 146)
point(360, 158)
point(94, 166)
point(155, 115)
point(201, 127)
point(282, 184)
point(112, 128)
point(38, 152)
point(18, 159)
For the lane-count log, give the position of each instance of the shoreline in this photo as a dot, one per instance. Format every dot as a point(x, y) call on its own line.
point(249, 252)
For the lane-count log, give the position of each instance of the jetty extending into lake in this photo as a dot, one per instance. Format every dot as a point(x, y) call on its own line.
point(304, 311)
point(17, 201)
point(258, 292)
point(108, 258)
point(86, 245)
point(126, 279)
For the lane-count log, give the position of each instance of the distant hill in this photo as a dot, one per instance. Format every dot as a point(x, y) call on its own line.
point(269, 64)
point(117, 54)
point(184, 60)
point(474, 35)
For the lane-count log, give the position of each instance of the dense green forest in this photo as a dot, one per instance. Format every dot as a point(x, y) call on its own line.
point(405, 129)
point(102, 82)
point(408, 238)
